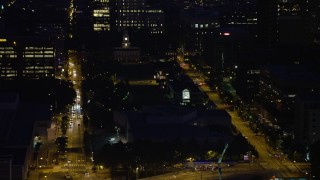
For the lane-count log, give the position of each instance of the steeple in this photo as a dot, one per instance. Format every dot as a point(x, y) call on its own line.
point(125, 40)
point(1, 19)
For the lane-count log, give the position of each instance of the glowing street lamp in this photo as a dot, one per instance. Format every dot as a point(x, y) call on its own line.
point(137, 173)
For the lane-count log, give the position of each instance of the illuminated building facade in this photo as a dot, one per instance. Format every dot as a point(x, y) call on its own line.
point(289, 21)
point(101, 15)
point(200, 25)
point(26, 60)
point(289, 8)
point(154, 21)
point(121, 14)
point(129, 14)
point(137, 15)
point(187, 4)
point(1, 19)
point(239, 13)
point(184, 92)
point(247, 81)
point(57, 35)
point(126, 54)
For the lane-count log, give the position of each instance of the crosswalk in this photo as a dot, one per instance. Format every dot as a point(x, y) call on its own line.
point(75, 167)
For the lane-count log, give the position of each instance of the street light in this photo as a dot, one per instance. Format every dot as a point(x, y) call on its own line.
point(137, 173)
point(92, 157)
point(38, 162)
point(252, 158)
point(190, 159)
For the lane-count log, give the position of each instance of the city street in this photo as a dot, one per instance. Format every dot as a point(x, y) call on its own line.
point(76, 165)
point(267, 161)
point(239, 171)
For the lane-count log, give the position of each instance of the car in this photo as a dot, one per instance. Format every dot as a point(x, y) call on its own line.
point(68, 177)
point(86, 173)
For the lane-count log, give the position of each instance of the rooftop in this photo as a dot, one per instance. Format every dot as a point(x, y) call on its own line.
point(16, 154)
point(21, 119)
point(293, 75)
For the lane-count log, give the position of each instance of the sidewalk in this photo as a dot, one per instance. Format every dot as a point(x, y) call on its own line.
point(33, 175)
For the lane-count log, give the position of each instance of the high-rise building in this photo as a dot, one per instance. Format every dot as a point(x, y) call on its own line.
point(239, 14)
point(1, 19)
point(101, 15)
point(28, 59)
point(307, 115)
point(312, 19)
point(119, 15)
point(56, 33)
point(280, 86)
point(129, 14)
point(137, 15)
point(187, 4)
point(154, 20)
point(289, 22)
point(200, 24)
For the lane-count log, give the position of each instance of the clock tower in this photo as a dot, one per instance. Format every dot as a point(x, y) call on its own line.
point(125, 40)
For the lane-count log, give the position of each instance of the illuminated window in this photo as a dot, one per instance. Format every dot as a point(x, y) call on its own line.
point(185, 94)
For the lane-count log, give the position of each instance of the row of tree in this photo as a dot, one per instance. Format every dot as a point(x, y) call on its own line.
point(148, 153)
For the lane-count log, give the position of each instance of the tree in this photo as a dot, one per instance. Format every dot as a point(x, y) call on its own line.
point(36, 150)
point(64, 124)
point(116, 155)
point(87, 143)
point(288, 144)
point(62, 143)
point(240, 146)
point(64, 95)
point(210, 155)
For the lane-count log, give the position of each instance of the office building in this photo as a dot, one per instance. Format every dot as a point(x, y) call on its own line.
point(307, 119)
point(288, 22)
point(137, 15)
point(1, 19)
point(188, 4)
point(101, 15)
point(56, 33)
point(239, 14)
point(200, 25)
point(154, 20)
point(26, 58)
